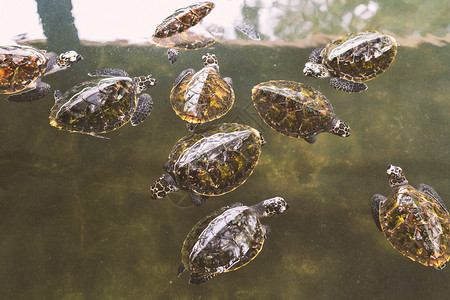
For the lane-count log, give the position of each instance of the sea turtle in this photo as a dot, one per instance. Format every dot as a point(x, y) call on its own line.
point(296, 110)
point(352, 59)
point(199, 97)
point(210, 162)
point(174, 33)
point(103, 105)
point(227, 239)
point(415, 221)
point(21, 69)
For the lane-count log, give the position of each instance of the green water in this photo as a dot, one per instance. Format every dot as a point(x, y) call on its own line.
point(77, 221)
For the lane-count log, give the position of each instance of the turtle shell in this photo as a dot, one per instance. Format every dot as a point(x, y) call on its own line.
point(292, 108)
point(215, 160)
point(96, 106)
point(223, 241)
point(20, 66)
point(183, 19)
point(202, 97)
point(359, 56)
point(416, 225)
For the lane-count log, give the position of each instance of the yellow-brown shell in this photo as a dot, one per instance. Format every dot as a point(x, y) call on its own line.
point(202, 97)
point(20, 66)
point(416, 225)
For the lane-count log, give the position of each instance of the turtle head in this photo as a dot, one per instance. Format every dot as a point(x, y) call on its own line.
point(396, 176)
point(270, 207)
point(144, 82)
point(316, 70)
point(67, 59)
point(340, 128)
point(163, 186)
point(210, 60)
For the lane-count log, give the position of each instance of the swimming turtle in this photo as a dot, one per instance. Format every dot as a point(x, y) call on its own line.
point(103, 105)
point(296, 110)
point(183, 19)
point(199, 97)
point(21, 69)
point(415, 221)
point(352, 59)
point(175, 32)
point(227, 239)
point(210, 162)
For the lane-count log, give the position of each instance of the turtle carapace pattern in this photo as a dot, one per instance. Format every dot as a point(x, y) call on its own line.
point(296, 110)
point(203, 96)
point(212, 161)
point(104, 104)
point(21, 69)
point(227, 239)
point(415, 221)
point(352, 59)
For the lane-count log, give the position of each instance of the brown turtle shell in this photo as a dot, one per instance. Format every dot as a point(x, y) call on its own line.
point(20, 66)
point(416, 225)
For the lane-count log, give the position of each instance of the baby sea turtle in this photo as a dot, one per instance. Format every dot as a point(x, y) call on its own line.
point(199, 97)
point(415, 221)
point(21, 69)
point(296, 110)
point(210, 162)
point(103, 105)
point(174, 33)
point(227, 240)
point(183, 19)
point(352, 59)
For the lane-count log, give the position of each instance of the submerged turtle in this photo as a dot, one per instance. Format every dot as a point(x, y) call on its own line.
point(352, 59)
point(227, 240)
point(104, 104)
point(21, 69)
point(173, 31)
point(296, 110)
point(415, 221)
point(203, 96)
point(210, 162)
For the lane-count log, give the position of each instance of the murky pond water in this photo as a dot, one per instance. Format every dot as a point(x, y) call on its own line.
point(77, 220)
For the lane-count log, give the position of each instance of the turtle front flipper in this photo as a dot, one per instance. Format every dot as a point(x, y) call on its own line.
point(191, 126)
point(181, 269)
point(432, 192)
point(316, 56)
point(200, 278)
point(143, 109)
point(109, 72)
point(375, 208)
point(183, 75)
point(197, 199)
point(347, 85)
point(39, 91)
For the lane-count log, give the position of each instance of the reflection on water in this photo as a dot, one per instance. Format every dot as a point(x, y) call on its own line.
point(76, 216)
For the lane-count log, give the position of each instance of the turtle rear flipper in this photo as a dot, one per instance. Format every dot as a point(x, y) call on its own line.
point(181, 269)
point(375, 208)
point(39, 91)
point(429, 190)
point(143, 109)
point(311, 139)
point(347, 85)
point(109, 72)
point(198, 279)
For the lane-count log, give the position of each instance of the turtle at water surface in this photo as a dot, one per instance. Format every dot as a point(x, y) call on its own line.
point(352, 59)
point(173, 32)
point(210, 162)
point(415, 221)
point(21, 69)
point(103, 105)
point(227, 239)
point(296, 110)
point(203, 96)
